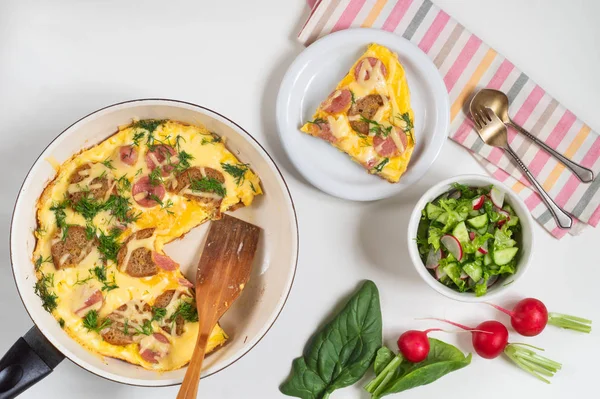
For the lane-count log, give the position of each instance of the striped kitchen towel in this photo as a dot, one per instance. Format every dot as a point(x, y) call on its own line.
point(467, 65)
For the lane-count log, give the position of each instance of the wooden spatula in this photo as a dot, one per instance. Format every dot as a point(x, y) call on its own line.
point(223, 271)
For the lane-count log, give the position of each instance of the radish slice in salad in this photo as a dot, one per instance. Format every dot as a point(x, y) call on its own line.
point(478, 202)
point(452, 245)
point(471, 235)
point(492, 280)
point(433, 258)
point(497, 197)
point(440, 273)
point(484, 248)
point(463, 275)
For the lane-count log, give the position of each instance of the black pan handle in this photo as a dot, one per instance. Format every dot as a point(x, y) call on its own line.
point(29, 360)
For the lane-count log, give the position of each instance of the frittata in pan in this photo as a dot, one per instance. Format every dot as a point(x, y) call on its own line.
point(102, 225)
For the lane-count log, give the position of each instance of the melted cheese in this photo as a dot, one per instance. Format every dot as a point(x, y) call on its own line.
point(186, 214)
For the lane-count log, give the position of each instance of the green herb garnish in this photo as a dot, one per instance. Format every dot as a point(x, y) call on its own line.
point(146, 329)
point(377, 128)
point(137, 137)
point(156, 176)
point(406, 118)
point(184, 162)
point(61, 322)
point(123, 183)
point(39, 261)
point(120, 207)
point(88, 207)
point(238, 171)
point(158, 313)
point(379, 167)
point(208, 185)
point(318, 122)
point(108, 163)
point(108, 244)
point(214, 139)
point(352, 99)
point(187, 310)
point(252, 187)
point(148, 124)
point(59, 213)
point(92, 323)
point(42, 288)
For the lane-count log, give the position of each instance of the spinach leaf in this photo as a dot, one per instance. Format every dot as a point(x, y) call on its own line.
point(340, 354)
point(443, 359)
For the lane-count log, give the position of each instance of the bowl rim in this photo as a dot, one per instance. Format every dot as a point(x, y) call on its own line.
point(431, 193)
point(166, 101)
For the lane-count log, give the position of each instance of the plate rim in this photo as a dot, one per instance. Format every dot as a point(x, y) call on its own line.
point(284, 98)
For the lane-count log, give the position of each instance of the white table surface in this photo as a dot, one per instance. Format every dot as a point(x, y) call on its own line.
point(60, 60)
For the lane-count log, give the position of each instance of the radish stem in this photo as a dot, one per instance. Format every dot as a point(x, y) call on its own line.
point(570, 322)
point(530, 361)
point(378, 384)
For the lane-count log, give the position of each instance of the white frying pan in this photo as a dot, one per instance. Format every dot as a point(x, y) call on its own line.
point(35, 355)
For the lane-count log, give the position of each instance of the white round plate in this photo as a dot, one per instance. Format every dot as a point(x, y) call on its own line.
point(315, 73)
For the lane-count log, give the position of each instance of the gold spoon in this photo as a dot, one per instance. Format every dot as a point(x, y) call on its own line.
point(493, 132)
point(497, 101)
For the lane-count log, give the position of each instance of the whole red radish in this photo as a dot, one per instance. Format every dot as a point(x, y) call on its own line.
point(414, 345)
point(530, 316)
point(490, 339)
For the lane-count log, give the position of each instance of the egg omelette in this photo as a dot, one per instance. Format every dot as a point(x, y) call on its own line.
point(368, 116)
point(102, 224)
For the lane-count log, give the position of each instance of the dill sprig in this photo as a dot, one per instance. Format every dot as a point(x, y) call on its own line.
point(379, 167)
point(88, 207)
point(156, 176)
point(318, 122)
point(214, 139)
point(43, 289)
point(187, 310)
point(158, 313)
point(92, 323)
point(406, 118)
point(208, 185)
point(184, 161)
point(120, 207)
point(237, 171)
point(146, 329)
point(41, 260)
point(377, 128)
point(108, 163)
point(100, 273)
point(108, 244)
point(59, 213)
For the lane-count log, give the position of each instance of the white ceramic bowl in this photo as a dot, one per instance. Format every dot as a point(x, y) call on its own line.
point(525, 249)
point(252, 315)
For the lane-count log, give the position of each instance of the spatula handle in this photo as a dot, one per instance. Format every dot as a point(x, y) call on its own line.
point(189, 387)
point(563, 219)
point(584, 174)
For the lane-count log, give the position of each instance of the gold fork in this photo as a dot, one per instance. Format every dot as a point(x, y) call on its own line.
point(493, 132)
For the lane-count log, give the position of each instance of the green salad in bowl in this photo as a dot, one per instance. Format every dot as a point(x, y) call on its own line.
point(469, 238)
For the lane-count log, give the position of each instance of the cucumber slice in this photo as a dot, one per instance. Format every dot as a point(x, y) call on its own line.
point(443, 218)
point(433, 211)
point(482, 230)
point(487, 259)
point(479, 222)
point(461, 233)
point(512, 221)
point(503, 256)
point(473, 270)
point(453, 271)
